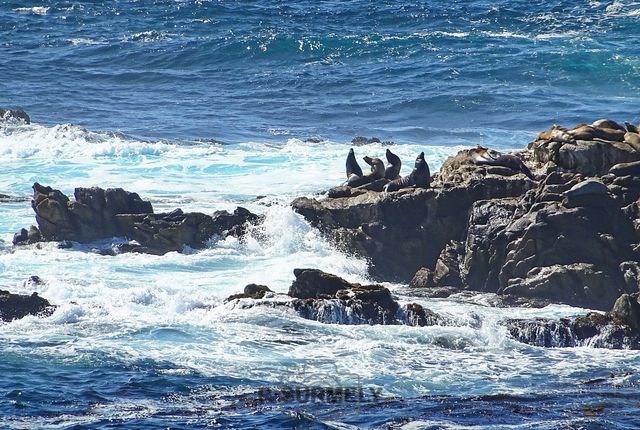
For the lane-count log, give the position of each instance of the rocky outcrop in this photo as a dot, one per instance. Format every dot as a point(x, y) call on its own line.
point(617, 329)
point(15, 114)
point(401, 231)
point(321, 296)
point(98, 214)
point(16, 306)
point(587, 149)
point(571, 236)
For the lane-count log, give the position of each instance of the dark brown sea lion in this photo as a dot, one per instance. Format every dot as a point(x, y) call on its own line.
point(631, 128)
point(393, 170)
point(353, 168)
point(355, 180)
point(607, 123)
point(420, 176)
point(587, 132)
point(484, 156)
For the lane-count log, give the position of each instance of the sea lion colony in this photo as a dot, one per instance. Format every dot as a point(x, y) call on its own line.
point(602, 130)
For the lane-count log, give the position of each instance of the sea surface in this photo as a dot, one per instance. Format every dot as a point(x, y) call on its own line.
point(207, 105)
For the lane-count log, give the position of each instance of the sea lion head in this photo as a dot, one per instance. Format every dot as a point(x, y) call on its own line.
point(377, 166)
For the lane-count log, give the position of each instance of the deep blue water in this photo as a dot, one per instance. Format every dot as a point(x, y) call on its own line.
point(151, 88)
point(234, 71)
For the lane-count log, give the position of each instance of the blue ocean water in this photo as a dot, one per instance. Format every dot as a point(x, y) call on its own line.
point(208, 105)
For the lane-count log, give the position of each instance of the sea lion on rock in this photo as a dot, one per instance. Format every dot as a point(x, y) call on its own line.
point(353, 168)
point(588, 132)
point(607, 123)
point(588, 187)
point(393, 171)
point(355, 177)
point(632, 128)
point(484, 156)
point(626, 169)
point(633, 139)
point(420, 176)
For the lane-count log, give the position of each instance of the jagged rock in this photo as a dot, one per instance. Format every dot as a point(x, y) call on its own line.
point(98, 214)
point(618, 329)
point(18, 114)
point(321, 296)
point(16, 306)
point(251, 291)
point(362, 140)
point(399, 232)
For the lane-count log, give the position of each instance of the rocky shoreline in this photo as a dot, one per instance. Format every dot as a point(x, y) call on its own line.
point(562, 228)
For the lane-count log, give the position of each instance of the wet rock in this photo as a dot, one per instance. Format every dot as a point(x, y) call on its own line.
point(362, 140)
point(617, 329)
point(626, 169)
point(321, 296)
point(15, 114)
point(16, 306)
point(98, 214)
point(401, 231)
point(251, 291)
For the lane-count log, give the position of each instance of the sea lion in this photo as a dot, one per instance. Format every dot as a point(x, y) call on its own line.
point(355, 180)
point(420, 176)
point(626, 169)
point(353, 168)
point(633, 139)
point(393, 170)
point(607, 123)
point(631, 128)
point(484, 156)
point(588, 132)
point(588, 187)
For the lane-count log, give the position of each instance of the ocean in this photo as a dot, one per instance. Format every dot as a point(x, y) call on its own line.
point(209, 105)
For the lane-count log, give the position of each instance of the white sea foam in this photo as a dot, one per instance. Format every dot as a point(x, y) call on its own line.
point(35, 10)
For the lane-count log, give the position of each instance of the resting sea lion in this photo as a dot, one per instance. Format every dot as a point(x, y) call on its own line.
point(607, 123)
point(484, 156)
point(393, 171)
point(587, 132)
point(633, 139)
point(631, 128)
point(355, 180)
point(420, 176)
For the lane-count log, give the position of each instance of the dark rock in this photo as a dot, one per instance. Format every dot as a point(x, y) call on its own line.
point(324, 297)
point(415, 224)
point(316, 284)
point(18, 114)
point(16, 306)
point(361, 140)
point(617, 329)
point(251, 291)
point(98, 214)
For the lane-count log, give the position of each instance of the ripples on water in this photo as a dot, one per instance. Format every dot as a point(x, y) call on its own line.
point(246, 70)
point(205, 106)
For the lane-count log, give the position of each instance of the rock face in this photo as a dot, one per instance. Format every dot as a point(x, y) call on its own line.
point(321, 296)
point(570, 236)
point(98, 214)
point(399, 232)
point(16, 306)
point(618, 329)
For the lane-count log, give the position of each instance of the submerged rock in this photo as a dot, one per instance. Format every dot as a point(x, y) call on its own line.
point(16, 114)
point(617, 329)
point(16, 306)
point(99, 214)
point(321, 296)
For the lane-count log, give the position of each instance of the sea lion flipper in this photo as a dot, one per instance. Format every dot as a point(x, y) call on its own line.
point(393, 170)
point(353, 168)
